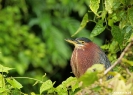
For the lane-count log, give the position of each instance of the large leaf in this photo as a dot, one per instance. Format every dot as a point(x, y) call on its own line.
point(99, 28)
point(71, 81)
point(127, 31)
point(83, 24)
point(130, 15)
point(119, 85)
point(117, 34)
point(112, 5)
point(127, 61)
point(62, 88)
point(91, 75)
point(94, 5)
point(122, 15)
point(109, 5)
point(4, 69)
point(46, 85)
point(2, 81)
point(14, 83)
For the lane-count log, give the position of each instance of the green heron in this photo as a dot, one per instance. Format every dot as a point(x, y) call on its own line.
point(85, 54)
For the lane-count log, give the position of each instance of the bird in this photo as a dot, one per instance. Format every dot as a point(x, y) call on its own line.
point(85, 54)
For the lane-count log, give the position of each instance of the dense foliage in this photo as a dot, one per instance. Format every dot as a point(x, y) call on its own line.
point(32, 43)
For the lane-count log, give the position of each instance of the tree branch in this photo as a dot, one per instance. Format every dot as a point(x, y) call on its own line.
point(120, 58)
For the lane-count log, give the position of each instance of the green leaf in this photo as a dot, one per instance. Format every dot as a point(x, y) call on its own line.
point(71, 81)
point(123, 2)
point(3, 91)
point(83, 24)
point(32, 93)
point(127, 31)
point(14, 83)
point(62, 88)
point(127, 61)
point(94, 5)
point(46, 85)
point(116, 5)
point(104, 12)
point(97, 88)
point(122, 15)
point(131, 38)
point(2, 81)
point(130, 15)
point(113, 47)
point(99, 28)
point(117, 34)
point(119, 84)
point(109, 6)
point(4, 69)
point(90, 75)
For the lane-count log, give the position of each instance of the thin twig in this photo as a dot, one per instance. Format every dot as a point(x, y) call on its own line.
point(120, 58)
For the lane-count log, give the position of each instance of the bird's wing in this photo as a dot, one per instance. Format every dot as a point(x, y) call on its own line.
point(103, 59)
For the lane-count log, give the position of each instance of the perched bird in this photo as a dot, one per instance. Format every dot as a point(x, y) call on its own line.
point(85, 54)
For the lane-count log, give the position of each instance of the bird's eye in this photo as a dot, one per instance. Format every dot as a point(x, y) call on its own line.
point(82, 42)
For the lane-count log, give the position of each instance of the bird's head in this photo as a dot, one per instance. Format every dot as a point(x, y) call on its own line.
point(79, 42)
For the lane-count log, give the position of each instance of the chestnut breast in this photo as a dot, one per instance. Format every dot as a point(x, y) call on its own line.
point(84, 57)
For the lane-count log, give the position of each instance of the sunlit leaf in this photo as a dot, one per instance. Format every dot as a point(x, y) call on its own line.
point(99, 28)
point(90, 75)
point(4, 69)
point(32, 93)
point(71, 81)
point(14, 83)
point(2, 81)
point(83, 24)
point(109, 5)
point(97, 88)
point(3, 91)
point(130, 80)
point(119, 85)
point(127, 61)
point(61, 90)
point(94, 5)
point(46, 85)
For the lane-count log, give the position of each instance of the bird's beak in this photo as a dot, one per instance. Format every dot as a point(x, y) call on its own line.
point(71, 41)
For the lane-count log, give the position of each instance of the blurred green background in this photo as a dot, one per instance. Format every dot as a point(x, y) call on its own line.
point(32, 34)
